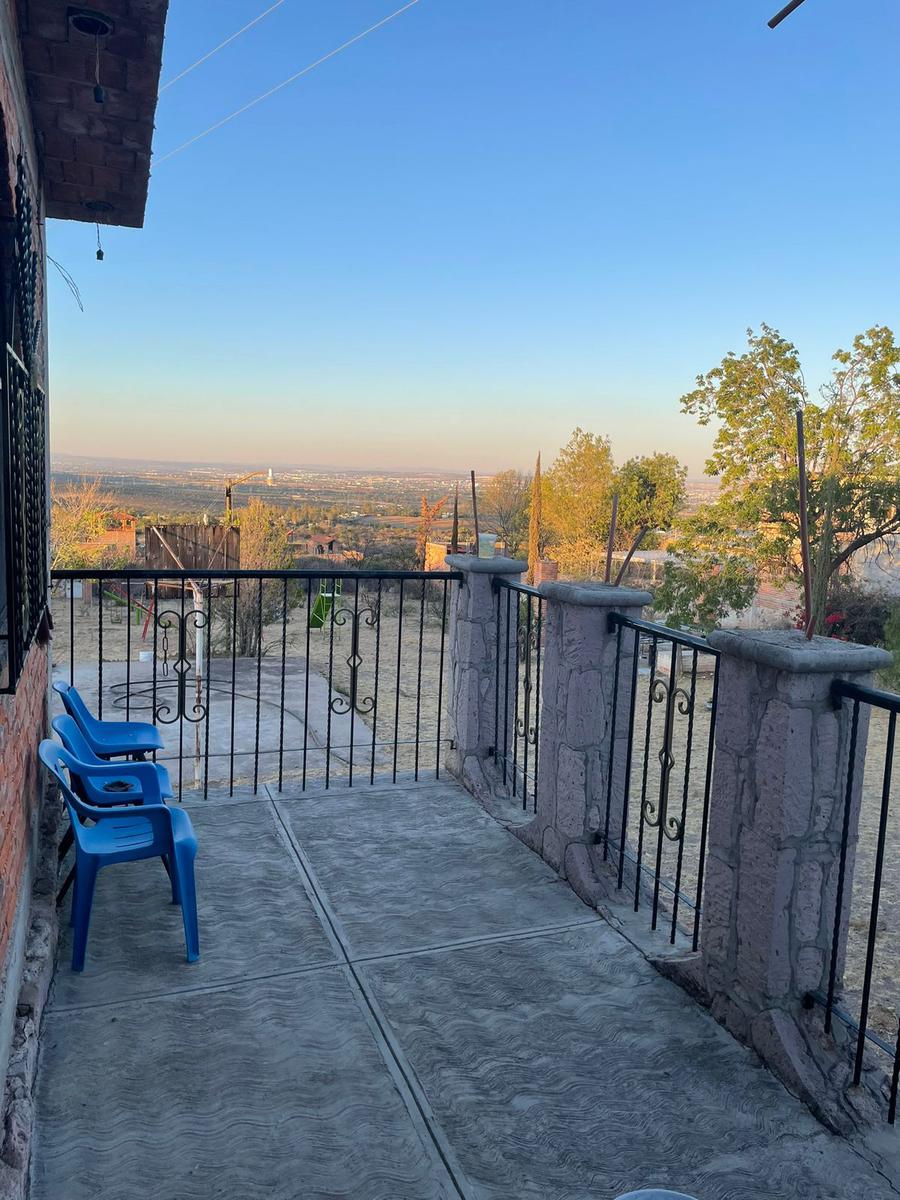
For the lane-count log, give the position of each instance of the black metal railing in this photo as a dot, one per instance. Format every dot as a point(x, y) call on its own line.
point(23, 535)
point(517, 687)
point(254, 677)
point(862, 990)
point(660, 771)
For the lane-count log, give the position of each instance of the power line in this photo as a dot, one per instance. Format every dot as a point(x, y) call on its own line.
point(785, 12)
point(285, 82)
point(215, 50)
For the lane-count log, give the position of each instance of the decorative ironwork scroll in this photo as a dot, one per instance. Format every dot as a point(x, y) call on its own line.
point(341, 705)
point(167, 620)
point(528, 640)
point(656, 814)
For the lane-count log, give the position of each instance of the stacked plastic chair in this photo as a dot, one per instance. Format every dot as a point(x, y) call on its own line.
point(117, 811)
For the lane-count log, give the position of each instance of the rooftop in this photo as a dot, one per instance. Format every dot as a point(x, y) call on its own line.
point(96, 152)
point(396, 999)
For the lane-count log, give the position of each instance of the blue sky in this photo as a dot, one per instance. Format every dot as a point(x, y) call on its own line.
point(488, 222)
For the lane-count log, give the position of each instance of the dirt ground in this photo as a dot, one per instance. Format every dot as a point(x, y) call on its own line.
point(407, 716)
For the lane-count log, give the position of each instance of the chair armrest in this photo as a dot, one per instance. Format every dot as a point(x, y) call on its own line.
point(159, 815)
point(144, 772)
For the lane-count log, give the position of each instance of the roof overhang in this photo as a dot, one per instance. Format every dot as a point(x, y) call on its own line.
point(96, 156)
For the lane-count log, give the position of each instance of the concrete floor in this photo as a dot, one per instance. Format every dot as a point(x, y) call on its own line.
point(395, 1000)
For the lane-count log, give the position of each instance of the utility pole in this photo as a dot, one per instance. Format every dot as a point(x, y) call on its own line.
point(230, 484)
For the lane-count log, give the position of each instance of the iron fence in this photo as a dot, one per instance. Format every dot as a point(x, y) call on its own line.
point(641, 807)
point(520, 611)
point(253, 677)
point(863, 985)
point(23, 536)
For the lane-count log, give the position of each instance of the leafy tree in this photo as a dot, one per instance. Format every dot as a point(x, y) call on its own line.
point(853, 462)
point(455, 529)
point(701, 587)
point(428, 514)
point(651, 492)
point(504, 508)
point(891, 676)
point(857, 613)
point(79, 514)
point(576, 502)
point(265, 546)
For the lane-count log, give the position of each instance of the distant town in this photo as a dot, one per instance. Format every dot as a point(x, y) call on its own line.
point(159, 490)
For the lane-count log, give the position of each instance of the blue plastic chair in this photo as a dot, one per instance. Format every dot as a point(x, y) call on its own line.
point(118, 834)
point(108, 739)
point(124, 786)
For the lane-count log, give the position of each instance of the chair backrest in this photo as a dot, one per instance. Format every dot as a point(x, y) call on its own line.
point(74, 705)
point(73, 739)
point(65, 768)
point(57, 760)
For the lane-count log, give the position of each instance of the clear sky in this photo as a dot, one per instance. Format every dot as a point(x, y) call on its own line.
point(486, 223)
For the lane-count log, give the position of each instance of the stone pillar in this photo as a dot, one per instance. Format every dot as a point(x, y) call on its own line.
point(473, 670)
point(775, 824)
point(577, 687)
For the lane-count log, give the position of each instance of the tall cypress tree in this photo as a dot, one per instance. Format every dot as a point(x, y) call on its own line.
point(534, 522)
point(454, 536)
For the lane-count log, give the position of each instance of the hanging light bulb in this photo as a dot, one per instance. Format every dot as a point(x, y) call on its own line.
point(99, 246)
point(98, 26)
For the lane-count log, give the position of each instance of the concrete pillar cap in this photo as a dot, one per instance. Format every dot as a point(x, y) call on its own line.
point(486, 566)
point(594, 595)
point(789, 650)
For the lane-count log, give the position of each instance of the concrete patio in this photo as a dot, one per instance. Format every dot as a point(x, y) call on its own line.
point(396, 999)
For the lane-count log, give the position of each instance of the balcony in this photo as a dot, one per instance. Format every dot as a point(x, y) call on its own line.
point(395, 999)
point(461, 840)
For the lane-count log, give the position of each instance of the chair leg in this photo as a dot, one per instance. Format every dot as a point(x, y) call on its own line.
point(85, 878)
point(173, 879)
point(74, 893)
point(184, 869)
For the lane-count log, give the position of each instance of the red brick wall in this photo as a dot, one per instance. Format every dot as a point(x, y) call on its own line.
point(22, 715)
point(23, 721)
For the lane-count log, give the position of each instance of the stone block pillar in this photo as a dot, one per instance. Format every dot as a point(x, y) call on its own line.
point(577, 690)
point(775, 825)
point(473, 670)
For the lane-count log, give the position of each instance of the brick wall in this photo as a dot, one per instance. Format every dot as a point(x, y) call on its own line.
point(23, 720)
point(22, 715)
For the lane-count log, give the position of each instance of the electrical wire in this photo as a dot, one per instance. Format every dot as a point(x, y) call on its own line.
point(285, 82)
point(67, 280)
point(221, 46)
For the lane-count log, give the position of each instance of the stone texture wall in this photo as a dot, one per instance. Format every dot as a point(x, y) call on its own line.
point(777, 809)
point(578, 686)
point(471, 716)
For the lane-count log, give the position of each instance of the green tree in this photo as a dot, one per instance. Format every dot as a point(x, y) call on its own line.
point(79, 514)
point(577, 502)
point(751, 531)
point(651, 493)
point(535, 526)
point(891, 677)
point(503, 507)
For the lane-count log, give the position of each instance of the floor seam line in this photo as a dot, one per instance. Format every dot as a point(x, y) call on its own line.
point(197, 989)
point(379, 1025)
point(490, 939)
